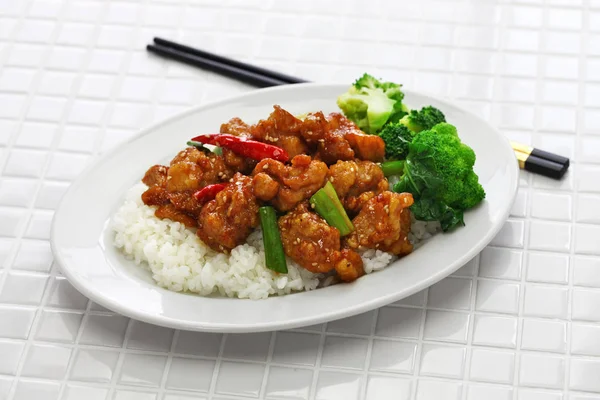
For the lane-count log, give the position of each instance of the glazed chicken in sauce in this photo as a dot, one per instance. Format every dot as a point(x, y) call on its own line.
point(220, 194)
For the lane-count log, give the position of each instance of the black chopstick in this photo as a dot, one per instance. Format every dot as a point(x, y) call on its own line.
point(252, 78)
point(529, 158)
point(228, 61)
point(542, 166)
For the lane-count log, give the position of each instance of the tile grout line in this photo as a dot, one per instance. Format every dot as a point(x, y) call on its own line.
point(313, 387)
point(169, 362)
point(112, 385)
point(530, 190)
point(420, 344)
point(263, 386)
point(368, 357)
point(574, 195)
point(470, 330)
point(213, 382)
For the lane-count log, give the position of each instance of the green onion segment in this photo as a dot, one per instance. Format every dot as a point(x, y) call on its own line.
point(327, 204)
point(274, 254)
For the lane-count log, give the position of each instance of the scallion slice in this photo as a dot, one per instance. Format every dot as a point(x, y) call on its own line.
point(274, 254)
point(327, 204)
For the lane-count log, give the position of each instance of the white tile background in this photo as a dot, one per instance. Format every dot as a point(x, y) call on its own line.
point(520, 322)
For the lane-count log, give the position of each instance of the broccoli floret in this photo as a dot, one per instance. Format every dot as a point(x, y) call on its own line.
point(424, 119)
point(370, 103)
point(439, 173)
point(397, 137)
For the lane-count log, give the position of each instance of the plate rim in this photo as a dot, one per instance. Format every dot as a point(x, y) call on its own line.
point(165, 321)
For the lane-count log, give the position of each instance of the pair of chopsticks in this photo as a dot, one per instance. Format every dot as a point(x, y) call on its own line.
point(529, 158)
point(540, 161)
point(251, 74)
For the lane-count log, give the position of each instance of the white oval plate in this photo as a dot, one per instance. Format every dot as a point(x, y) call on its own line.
point(82, 244)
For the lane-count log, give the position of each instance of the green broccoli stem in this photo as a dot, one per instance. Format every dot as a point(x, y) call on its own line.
point(327, 204)
point(274, 254)
point(392, 168)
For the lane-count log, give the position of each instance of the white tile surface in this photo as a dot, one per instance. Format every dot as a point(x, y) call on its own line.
point(548, 268)
point(518, 322)
point(46, 361)
point(446, 326)
point(190, 374)
point(296, 348)
point(454, 293)
point(58, 326)
point(495, 331)
point(543, 371)
point(443, 361)
point(142, 370)
point(542, 301)
point(150, 337)
point(501, 263)
point(236, 346)
point(398, 322)
point(288, 383)
point(104, 330)
point(344, 352)
point(338, 386)
point(11, 354)
point(393, 356)
point(489, 392)
point(492, 366)
point(498, 297)
point(430, 390)
point(240, 379)
point(94, 365)
point(544, 335)
point(379, 387)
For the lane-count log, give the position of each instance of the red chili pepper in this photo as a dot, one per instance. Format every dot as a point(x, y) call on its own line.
point(245, 147)
point(209, 192)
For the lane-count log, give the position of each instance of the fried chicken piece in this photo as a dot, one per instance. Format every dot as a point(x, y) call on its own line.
point(237, 163)
point(356, 182)
point(309, 240)
point(169, 211)
point(156, 196)
point(365, 147)
point(191, 170)
point(156, 176)
point(226, 221)
point(296, 182)
point(281, 129)
point(235, 126)
point(330, 143)
point(383, 223)
point(349, 266)
point(265, 187)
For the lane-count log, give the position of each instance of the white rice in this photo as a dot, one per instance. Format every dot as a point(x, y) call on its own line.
point(179, 261)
